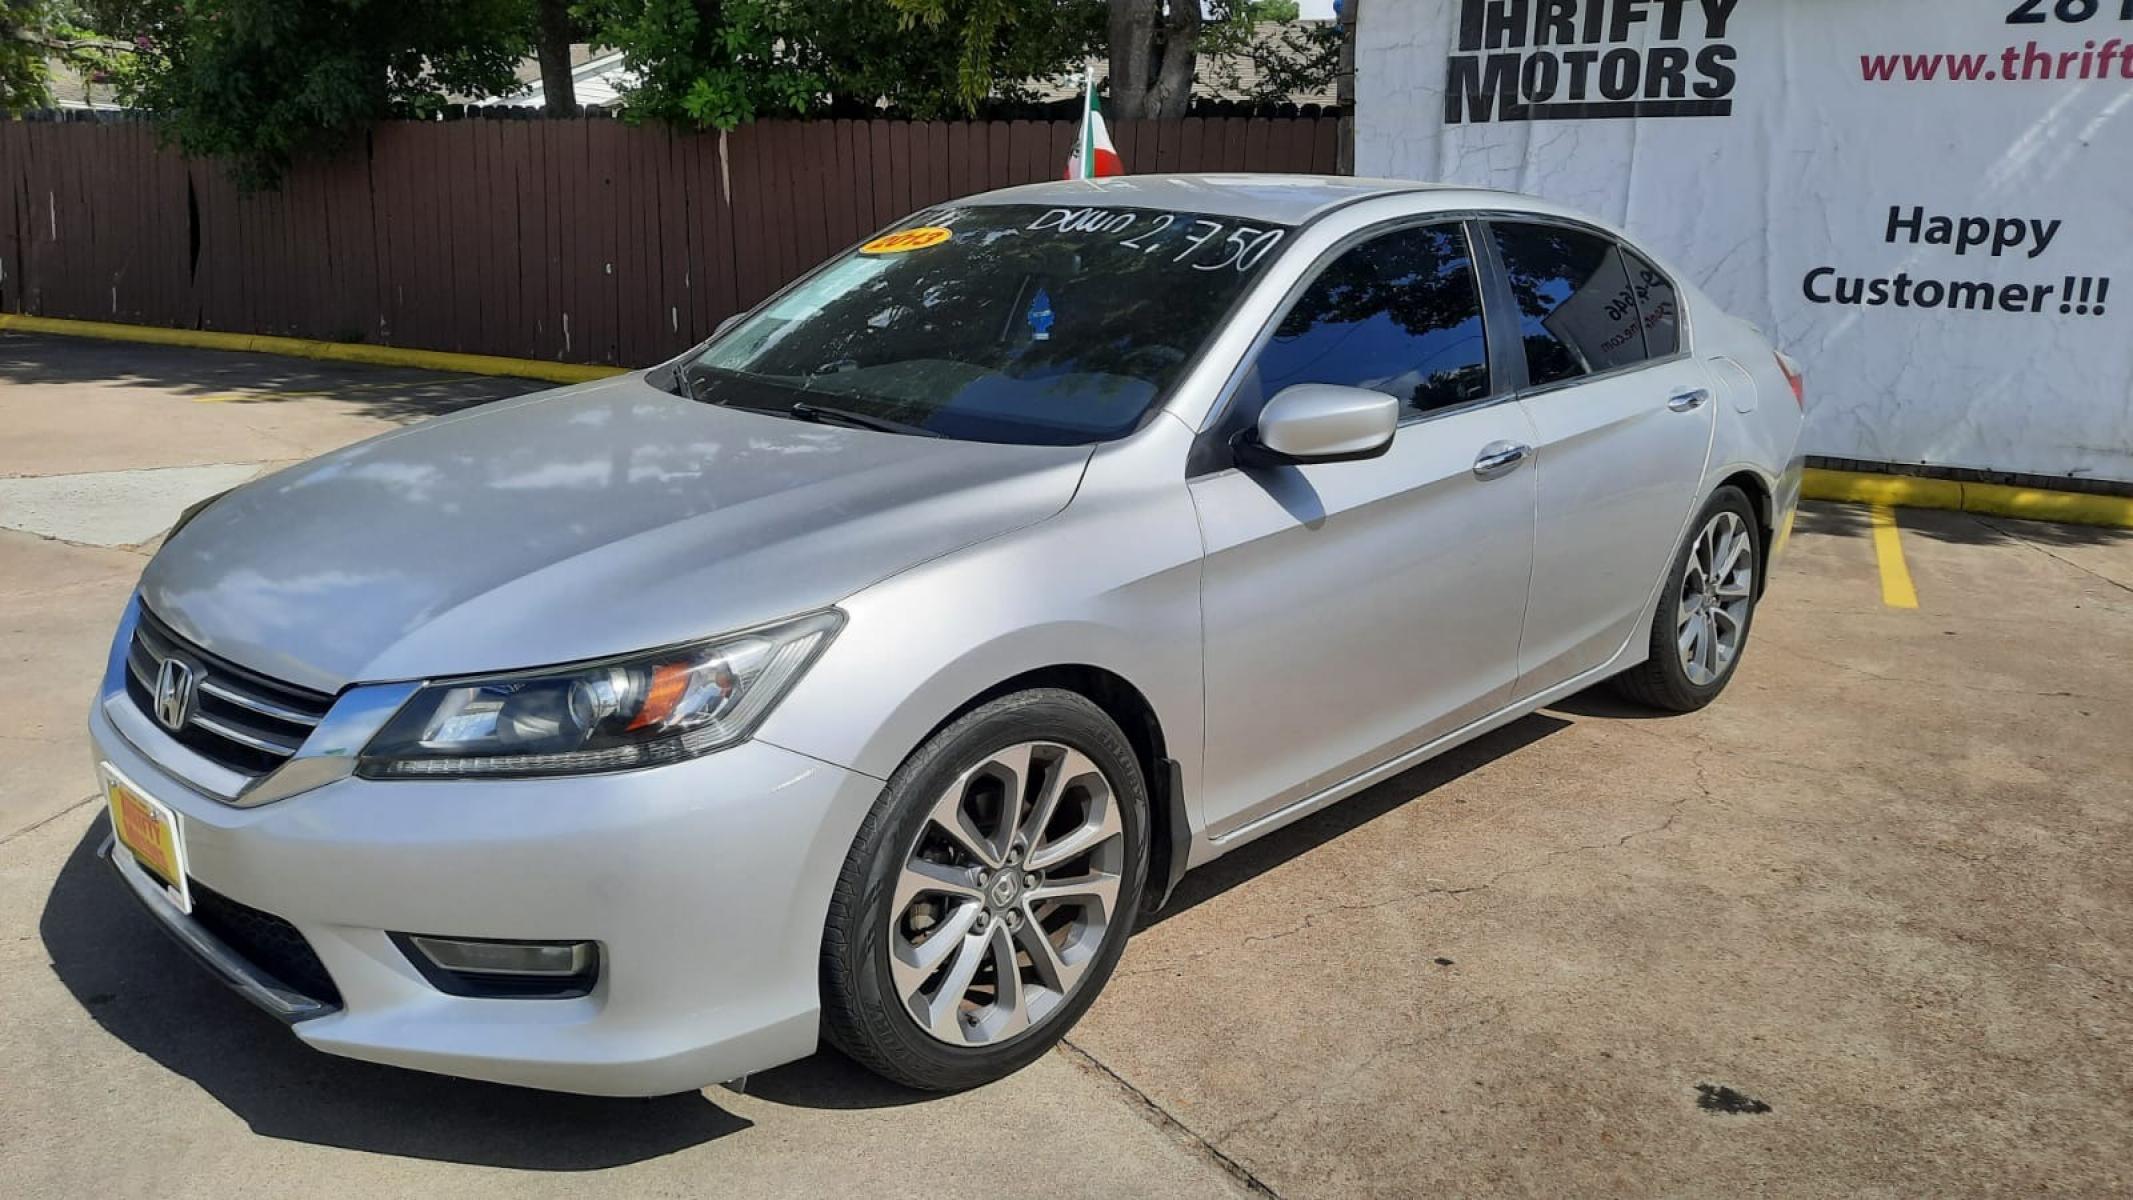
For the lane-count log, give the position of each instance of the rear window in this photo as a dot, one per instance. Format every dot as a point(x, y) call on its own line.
point(1577, 313)
point(1657, 303)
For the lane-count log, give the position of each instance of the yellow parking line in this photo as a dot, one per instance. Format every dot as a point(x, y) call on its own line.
point(1896, 589)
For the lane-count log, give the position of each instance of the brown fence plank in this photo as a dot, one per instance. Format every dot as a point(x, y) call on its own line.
point(678, 320)
point(879, 166)
point(749, 250)
point(476, 290)
point(859, 182)
point(780, 217)
point(529, 230)
point(1192, 155)
point(11, 169)
point(723, 299)
point(1255, 146)
point(999, 154)
point(1025, 144)
point(636, 290)
point(812, 148)
point(1325, 146)
point(584, 240)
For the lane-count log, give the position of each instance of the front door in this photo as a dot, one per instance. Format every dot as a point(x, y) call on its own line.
point(1353, 611)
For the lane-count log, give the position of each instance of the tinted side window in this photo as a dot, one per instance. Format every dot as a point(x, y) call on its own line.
point(1576, 312)
point(1658, 303)
point(1398, 314)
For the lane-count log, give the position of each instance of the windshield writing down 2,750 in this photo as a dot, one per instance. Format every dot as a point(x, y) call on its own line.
point(1011, 323)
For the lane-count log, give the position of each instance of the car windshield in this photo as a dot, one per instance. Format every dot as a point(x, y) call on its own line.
point(1009, 323)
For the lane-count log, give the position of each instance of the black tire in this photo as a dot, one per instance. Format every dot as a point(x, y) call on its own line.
point(862, 1013)
point(1661, 681)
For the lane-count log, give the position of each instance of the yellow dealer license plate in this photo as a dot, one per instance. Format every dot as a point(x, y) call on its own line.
point(149, 829)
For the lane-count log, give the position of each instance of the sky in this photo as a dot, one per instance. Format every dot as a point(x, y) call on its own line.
point(1315, 10)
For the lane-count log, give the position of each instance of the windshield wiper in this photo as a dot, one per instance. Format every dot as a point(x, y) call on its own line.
point(825, 415)
point(692, 384)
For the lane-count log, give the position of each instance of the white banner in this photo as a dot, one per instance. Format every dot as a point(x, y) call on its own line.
point(1928, 202)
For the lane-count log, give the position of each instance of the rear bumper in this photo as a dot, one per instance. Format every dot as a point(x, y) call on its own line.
point(705, 883)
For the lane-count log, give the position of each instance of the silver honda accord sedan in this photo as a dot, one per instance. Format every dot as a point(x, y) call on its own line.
point(869, 670)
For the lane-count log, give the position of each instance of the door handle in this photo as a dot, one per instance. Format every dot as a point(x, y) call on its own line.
point(1500, 458)
point(1688, 399)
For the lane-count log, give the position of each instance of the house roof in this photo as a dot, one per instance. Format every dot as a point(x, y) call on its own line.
point(72, 90)
point(597, 79)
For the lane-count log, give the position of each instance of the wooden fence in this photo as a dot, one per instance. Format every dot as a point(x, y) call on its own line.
point(579, 241)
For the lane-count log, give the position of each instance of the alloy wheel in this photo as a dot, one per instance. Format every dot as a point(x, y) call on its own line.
point(1717, 589)
point(1007, 894)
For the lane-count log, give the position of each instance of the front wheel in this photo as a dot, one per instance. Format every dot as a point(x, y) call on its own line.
point(988, 895)
point(1705, 611)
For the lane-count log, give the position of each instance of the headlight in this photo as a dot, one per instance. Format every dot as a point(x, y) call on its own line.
point(604, 716)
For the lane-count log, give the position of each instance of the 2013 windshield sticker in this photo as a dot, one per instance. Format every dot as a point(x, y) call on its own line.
point(903, 241)
point(1235, 246)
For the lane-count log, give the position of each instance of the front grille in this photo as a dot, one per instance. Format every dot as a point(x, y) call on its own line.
point(237, 718)
point(270, 943)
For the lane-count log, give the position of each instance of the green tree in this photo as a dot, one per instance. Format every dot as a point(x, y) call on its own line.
point(262, 82)
point(33, 35)
point(1155, 51)
point(1287, 57)
point(718, 63)
point(554, 32)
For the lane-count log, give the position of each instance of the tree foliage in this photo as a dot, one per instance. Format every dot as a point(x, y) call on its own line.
point(33, 34)
point(261, 82)
point(717, 63)
point(1155, 48)
point(1286, 57)
point(1163, 50)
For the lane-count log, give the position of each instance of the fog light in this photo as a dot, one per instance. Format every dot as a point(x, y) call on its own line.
point(494, 967)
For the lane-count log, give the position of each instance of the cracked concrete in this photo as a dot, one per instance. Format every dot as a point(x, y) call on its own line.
point(1881, 887)
point(112, 508)
point(1878, 887)
point(131, 1073)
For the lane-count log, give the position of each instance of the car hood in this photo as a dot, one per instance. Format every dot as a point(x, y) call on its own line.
point(574, 524)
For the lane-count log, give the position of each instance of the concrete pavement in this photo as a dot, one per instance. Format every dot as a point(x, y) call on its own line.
point(1879, 888)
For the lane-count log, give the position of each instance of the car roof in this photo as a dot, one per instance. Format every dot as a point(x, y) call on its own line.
point(1282, 199)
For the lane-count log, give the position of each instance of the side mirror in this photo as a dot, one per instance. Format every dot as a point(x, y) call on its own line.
point(1319, 423)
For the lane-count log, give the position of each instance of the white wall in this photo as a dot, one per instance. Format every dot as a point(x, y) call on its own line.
point(1794, 167)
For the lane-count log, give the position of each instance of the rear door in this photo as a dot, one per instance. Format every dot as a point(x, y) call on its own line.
point(1622, 420)
point(1355, 610)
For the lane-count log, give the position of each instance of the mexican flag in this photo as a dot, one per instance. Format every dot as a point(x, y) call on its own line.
point(1093, 156)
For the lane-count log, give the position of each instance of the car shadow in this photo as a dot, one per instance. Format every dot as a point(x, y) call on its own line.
point(1956, 528)
point(829, 1080)
point(149, 994)
point(398, 394)
point(1292, 841)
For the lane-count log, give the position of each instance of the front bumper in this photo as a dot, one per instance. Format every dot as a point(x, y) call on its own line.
point(705, 882)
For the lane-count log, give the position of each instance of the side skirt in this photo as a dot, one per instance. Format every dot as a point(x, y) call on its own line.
point(1214, 847)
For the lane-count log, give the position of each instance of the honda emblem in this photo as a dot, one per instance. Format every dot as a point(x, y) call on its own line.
point(174, 694)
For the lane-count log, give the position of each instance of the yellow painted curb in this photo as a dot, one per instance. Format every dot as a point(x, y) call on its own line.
point(1991, 499)
point(354, 352)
